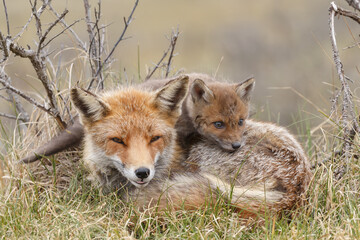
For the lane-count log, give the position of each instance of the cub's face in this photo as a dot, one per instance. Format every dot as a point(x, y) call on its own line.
point(131, 130)
point(219, 111)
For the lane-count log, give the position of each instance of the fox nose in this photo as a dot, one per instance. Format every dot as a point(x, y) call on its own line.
point(235, 145)
point(142, 172)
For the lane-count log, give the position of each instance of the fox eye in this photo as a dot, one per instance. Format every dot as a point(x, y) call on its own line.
point(219, 124)
point(118, 140)
point(155, 139)
point(241, 122)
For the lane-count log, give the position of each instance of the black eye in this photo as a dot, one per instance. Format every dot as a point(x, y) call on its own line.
point(219, 124)
point(155, 139)
point(241, 122)
point(118, 140)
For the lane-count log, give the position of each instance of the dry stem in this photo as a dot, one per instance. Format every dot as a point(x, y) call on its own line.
point(349, 121)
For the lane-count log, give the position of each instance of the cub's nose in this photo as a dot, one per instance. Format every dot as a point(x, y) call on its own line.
point(235, 145)
point(142, 173)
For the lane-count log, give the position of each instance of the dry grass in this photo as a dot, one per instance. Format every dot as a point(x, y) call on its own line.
point(53, 199)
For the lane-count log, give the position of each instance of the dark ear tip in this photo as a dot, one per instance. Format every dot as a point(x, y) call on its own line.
point(74, 92)
point(183, 78)
point(250, 79)
point(198, 81)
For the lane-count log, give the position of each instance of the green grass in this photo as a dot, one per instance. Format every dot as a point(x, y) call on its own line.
point(54, 200)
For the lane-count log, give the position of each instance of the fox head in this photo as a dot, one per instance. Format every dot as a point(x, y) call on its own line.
point(130, 130)
point(219, 111)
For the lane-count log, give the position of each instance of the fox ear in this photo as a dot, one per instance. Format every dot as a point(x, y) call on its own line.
point(199, 90)
point(90, 107)
point(170, 97)
point(244, 90)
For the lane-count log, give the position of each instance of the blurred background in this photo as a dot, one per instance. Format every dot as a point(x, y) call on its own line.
point(284, 44)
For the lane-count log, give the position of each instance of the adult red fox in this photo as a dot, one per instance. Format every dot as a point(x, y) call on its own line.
point(130, 145)
point(216, 111)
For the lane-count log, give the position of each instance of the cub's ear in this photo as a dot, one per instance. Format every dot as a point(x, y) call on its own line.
point(90, 107)
point(199, 90)
point(170, 97)
point(244, 90)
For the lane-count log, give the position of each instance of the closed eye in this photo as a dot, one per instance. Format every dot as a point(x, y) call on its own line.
point(155, 139)
point(118, 140)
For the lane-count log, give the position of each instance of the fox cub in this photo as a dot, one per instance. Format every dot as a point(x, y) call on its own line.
point(130, 145)
point(216, 111)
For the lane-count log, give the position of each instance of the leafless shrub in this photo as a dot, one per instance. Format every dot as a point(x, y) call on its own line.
point(349, 121)
point(98, 59)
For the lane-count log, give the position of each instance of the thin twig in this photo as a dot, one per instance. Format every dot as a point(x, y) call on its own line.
point(57, 35)
point(14, 99)
point(348, 13)
point(40, 69)
point(5, 98)
point(7, 18)
point(348, 116)
point(27, 98)
point(12, 117)
point(170, 48)
point(92, 47)
point(49, 29)
point(121, 38)
point(4, 46)
point(354, 3)
point(335, 101)
point(158, 64)
point(357, 44)
point(173, 44)
point(39, 12)
point(23, 28)
point(68, 27)
point(37, 18)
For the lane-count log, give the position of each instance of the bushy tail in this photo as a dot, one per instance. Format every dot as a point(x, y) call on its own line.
point(70, 137)
point(260, 192)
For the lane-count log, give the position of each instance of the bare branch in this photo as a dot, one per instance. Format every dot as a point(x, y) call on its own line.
point(14, 99)
point(173, 44)
point(4, 46)
point(92, 47)
point(171, 47)
point(26, 97)
point(12, 117)
point(37, 18)
point(49, 29)
point(348, 13)
point(7, 18)
point(5, 98)
point(357, 44)
point(40, 69)
point(68, 27)
point(23, 29)
point(158, 64)
point(121, 38)
point(354, 3)
point(57, 35)
point(348, 118)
